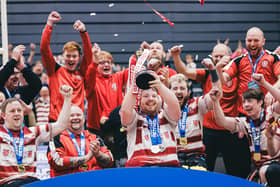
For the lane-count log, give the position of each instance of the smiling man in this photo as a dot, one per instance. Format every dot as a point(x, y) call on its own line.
point(76, 150)
point(257, 60)
point(69, 74)
point(19, 144)
point(104, 90)
point(253, 125)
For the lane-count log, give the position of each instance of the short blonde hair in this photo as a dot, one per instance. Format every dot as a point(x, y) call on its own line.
point(105, 54)
point(178, 78)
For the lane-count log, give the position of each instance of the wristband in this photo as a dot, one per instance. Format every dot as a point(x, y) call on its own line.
point(83, 31)
point(214, 75)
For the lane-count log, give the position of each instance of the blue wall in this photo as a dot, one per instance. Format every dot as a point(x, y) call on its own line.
point(197, 27)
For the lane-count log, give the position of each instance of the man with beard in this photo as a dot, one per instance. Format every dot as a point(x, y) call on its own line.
point(151, 131)
point(257, 126)
point(216, 138)
point(10, 74)
point(76, 150)
point(155, 61)
point(68, 74)
point(189, 131)
point(19, 144)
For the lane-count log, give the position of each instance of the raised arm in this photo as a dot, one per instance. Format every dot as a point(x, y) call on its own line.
point(226, 122)
point(224, 77)
point(45, 49)
point(127, 111)
point(216, 86)
point(29, 91)
point(179, 64)
point(31, 54)
point(87, 51)
point(8, 69)
point(63, 119)
point(274, 91)
point(172, 106)
point(273, 142)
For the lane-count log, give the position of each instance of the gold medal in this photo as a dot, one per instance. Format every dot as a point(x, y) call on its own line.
point(257, 156)
point(122, 129)
point(183, 141)
point(84, 167)
point(21, 168)
point(155, 149)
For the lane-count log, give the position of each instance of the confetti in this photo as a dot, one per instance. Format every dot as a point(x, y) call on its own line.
point(123, 50)
point(159, 14)
point(111, 5)
point(116, 35)
point(201, 2)
point(93, 14)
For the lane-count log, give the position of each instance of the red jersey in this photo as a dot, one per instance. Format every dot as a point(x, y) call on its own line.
point(103, 94)
point(227, 102)
point(268, 65)
point(60, 75)
point(66, 149)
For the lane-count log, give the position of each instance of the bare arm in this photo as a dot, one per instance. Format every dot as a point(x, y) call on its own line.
point(216, 85)
point(259, 78)
point(172, 106)
point(226, 122)
point(31, 54)
point(273, 144)
point(63, 119)
point(127, 111)
point(179, 64)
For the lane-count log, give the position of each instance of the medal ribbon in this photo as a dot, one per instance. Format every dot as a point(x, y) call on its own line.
point(256, 134)
point(254, 66)
point(154, 130)
point(17, 147)
point(81, 151)
point(182, 122)
point(8, 92)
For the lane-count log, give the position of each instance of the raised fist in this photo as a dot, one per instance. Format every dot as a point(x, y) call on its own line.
point(32, 46)
point(66, 90)
point(175, 50)
point(53, 18)
point(79, 26)
point(207, 63)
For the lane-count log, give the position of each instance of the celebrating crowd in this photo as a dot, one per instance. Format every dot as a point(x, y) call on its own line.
point(92, 118)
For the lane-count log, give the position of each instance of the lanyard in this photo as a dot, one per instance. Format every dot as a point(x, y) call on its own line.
point(17, 147)
point(154, 130)
point(256, 133)
point(8, 92)
point(81, 151)
point(254, 66)
point(182, 122)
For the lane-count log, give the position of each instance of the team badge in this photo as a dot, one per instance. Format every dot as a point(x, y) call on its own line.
point(264, 64)
point(114, 86)
point(78, 77)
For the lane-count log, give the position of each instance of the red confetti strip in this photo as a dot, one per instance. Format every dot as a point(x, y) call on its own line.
point(201, 2)
point(160, 15)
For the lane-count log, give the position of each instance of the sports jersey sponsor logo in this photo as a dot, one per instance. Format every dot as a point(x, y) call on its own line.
point(264, 63)
point(114, 86)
